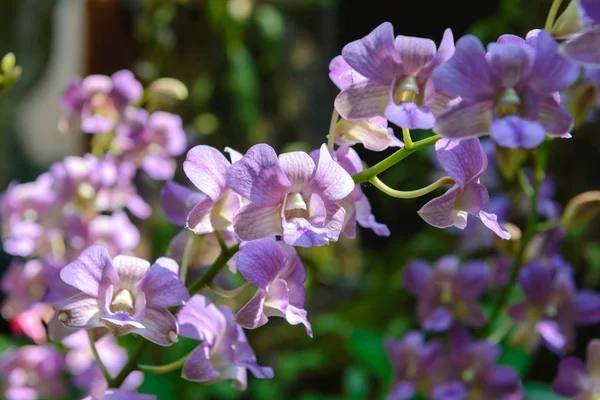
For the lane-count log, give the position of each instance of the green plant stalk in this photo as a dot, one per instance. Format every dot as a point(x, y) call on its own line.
point(369, 173)
point(412, 193)
point(163, 369)
point(101, 365)
point(408, 143)
point(213, 270)
point(134, 358)
point(552, 15)
point(187, 255)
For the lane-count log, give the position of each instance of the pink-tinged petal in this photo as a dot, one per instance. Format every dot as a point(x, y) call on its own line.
point(127, 86)
point(340, 72)
point(335, 221)
point(162, 285)
point(375, 55)
point(555, 120)
point(409, 115)
point(463, 160)
point(438, 212)
point(260, 262)
point(511, 61)
point(349, 228)
point(474, 198)
point(254, 222)
point(465, 120)
point(89, 269)
point(366, 219)
point(138, 206)
point(416, 276)
point(300, 232)
point(299, 168)
point(467, 73)
point(373, 133)
point(130, 269)
point(198, 220)
point(258, 176)
point(234, 155)
point(330, 181)
point(177, 201)
point(252, 315)
point(415, 53)
point(201, 320)
point(471, 280)
point(159, 327)
point(553, 336)
point(491, 222)
point(277, 303)
point(444, 52)
point(586, 307)
point(571, 378)
point(551, 72)
point(159, 167)
point(362, 100)
point(207, 167)
point(171, 127)
point(97, 124)
point(515, 132)
point(198, 367)
point(83, 311)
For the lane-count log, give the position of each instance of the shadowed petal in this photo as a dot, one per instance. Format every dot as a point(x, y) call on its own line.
point(536, 281)
point(583, 49)
point(362, 100)
point(130, 269)
point(415, 53)
point(438, 212)
point(444, 52)
point(260, 262)
point(252, 315)
point(467, 119)
point(83, 311)
point(201, 320)
point(471, 280)
point(551, 72)
point(571, 378)
point(516, 132)
point(198, 220)
point(463, 160)
point(501, 381)
point(586, 307)
point(162, 285)
point(555, 119)
point(511, 61)
point(177, 201)
point(331, 181)
point(86, 272)
point(158, 325)
point(198, 367)
point(206, 167)
point(254, 222)
point(298, 167)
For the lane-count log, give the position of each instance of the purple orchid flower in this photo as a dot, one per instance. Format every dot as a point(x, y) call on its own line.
point(118, 394)
point(476, 236)
point(584, 48)
point(32, 372)
point(446, 293)
point(474, 364)
point(577, 380)
point(464, 161)
point(86, 374)
point(96, 103)
point(293, 196)
point(124, 295)
point(151, 141)
point(510, 92)
point(277, 271)
point(225, 352)
point(412, 360)
point(386, 76)
point(552, 308)
point(357, 206)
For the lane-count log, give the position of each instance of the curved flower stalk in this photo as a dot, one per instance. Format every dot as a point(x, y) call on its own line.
point(293, 196)
point(277, 271)
point(464, 161)
point(577, 380)
point(225, 352)
point(386, 76)
point(124, 295)
point(446, 293)
point(97, 103)
point(509, 92)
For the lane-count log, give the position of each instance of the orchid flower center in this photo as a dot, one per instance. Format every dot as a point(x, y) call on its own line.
point(445, 292)
point(122, 301)
point(295, 206)
point(407, 91)
point(468, 375)
point(508, 102)
point(102, 104)
point(30, 214)
point(85, 195)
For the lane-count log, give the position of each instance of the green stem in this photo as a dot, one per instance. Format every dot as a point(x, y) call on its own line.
point(392, 160)
point(134, 358)
point(101, 365)
point(187, 255)
point(331, 136)
point(408, 143)
point(552, 15)
point(413, 193)
point(213, 270)
point(163, 369)
point(228, 294)
point(221, 240)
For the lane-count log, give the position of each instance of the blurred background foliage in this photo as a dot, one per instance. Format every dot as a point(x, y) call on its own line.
point(257, 71)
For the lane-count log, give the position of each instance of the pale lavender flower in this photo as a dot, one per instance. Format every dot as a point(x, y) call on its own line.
point(86, 374)
point(151, 141)
point(385, 76)
point(577, 380)
point(275, 268)
point(124, 295)
point(118, 394)
point(224, 353)
point(446, 293)
point(584, 48)
point(464, 161)
point(552, 308)
point(292, 196)
point(31, 373)
point(412, 359)
point(96, 103)
point(357, 206)
point(510, 92)
point(373, 133)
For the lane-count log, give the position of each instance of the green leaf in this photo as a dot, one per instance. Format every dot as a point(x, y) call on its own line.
point(540, 391)
point(356, 384)
point(517, 359)
point(367, 347)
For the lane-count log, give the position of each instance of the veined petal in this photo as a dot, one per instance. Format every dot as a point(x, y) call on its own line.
point(473, 199)
point(198, 220)
point(177, 201)
point(252, 315)
point(330, 181)
point(556, 120)
point(465, 120)
point(130, 270)
point(551, 72)
point(373, 133)
point(438, 212)
point(258, 176)
point(583, 49)
point(511, 61)
point(158, 325)
point(89, 269)
point(375, 55)
point(162, 285)
point(415, 53)
point(501, 381)
point(491, 222)
point(83, 311)
point(340, 72)
point(201, 320)
point(467, 73)
point(515, 132)
point(299, 168)
point(198, 367)
point(409, 115)
point(463, 160)
point(206, 167)
point(444, 52)
point(254, 222)
point(278, 304)
point(260, 262)
point(362, 100)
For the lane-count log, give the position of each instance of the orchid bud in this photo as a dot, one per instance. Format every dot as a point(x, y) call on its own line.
point(569, 23)
point(166, 92)
point(581, 209)
point(582, 102)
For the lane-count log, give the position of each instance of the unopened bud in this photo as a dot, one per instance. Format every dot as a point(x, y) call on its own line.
point(8, 62)
point(569, 23)
point(168, 89)
point(580, 210)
